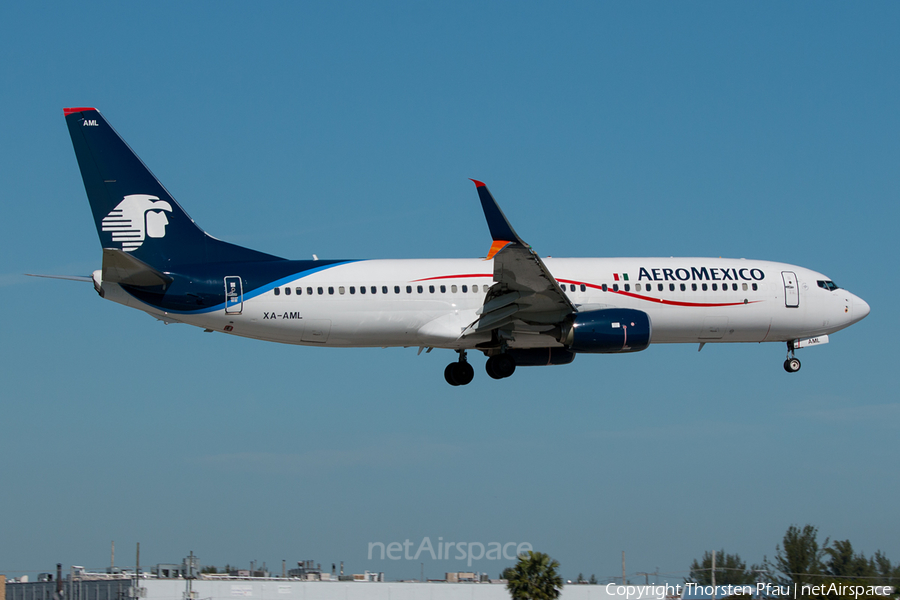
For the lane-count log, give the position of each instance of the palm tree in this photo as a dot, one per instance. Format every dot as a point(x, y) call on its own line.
point(534, 577)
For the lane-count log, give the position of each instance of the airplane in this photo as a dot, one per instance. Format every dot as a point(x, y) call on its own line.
point(513, 306)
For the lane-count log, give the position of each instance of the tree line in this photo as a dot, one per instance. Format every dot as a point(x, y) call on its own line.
point(802, 561)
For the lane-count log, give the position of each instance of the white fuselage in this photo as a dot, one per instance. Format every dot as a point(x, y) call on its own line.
point(430, 302)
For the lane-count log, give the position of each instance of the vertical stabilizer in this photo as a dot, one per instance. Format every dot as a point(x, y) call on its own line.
point(132, 210)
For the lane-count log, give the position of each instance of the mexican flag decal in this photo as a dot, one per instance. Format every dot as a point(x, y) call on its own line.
point(618, 277)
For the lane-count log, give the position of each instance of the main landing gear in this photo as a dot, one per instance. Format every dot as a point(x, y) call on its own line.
point(500, 366)
point(459, 373)
point(791, 364)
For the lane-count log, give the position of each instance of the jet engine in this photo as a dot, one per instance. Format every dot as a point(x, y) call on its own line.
point(607, 331)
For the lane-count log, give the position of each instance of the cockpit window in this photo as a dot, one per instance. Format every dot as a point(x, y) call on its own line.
point(827, 285)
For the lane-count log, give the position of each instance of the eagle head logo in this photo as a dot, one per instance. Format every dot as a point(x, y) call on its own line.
point(137, 217)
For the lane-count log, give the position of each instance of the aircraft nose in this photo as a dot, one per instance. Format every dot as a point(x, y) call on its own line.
point(860, 308)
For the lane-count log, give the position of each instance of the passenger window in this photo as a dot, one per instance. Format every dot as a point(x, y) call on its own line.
point(396, 289)
point(419, 289)
point(627, 287)
point(330, 291)
point(362, 289)
point(431, 289)
point(374, 289)
point(309, 291)
point(583, 288)
point(683, 287)
point(754, 286)
point(734, 287)
point(475, 289)
point(704, 287)
point(604, 288)
point(287, 291)
point(465, 289)
point(715, 287)
point(693, 287)
point(352, 290)
point(409, 289)
point(299, 291)
point(277, 291)
point(615, 287)
point(671, 287)
point(321, 291)
point(443, 289)
point(659, 287)
point(744, 287)
point(637, 287)
point(385, 291)
point(341, 290)
point(453, 289)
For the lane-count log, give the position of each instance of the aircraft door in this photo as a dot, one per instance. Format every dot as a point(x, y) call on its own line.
point(791, 290)
point(234, 295)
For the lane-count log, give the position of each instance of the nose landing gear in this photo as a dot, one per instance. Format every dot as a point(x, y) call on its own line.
point(461, 372)
point(791, 364)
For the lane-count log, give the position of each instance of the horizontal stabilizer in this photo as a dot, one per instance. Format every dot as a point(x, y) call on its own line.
point(66, 277)
point(122, 267)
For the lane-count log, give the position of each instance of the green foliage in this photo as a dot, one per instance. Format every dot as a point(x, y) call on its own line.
point(828, 570)
point(730, 570)
point(209, 569)
point(799, 557)
point(843, 562)
point(888, 574)
point(592, 580)
point(534, 577)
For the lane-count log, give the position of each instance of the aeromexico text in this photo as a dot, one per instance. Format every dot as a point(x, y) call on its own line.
point(702, 273)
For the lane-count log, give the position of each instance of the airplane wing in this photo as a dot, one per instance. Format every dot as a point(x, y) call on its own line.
point(524, 289)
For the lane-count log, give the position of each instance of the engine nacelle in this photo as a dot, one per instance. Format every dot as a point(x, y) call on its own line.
point(539, 357)
point(608, 331)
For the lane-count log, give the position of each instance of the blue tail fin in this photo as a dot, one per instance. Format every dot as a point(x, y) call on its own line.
point(132, 210)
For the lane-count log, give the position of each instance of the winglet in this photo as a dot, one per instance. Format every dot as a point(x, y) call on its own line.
point(501, 230)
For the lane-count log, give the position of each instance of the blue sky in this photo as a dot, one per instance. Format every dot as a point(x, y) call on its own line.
point(348, 130)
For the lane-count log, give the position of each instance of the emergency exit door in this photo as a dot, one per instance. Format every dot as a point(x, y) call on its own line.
point(234, 295)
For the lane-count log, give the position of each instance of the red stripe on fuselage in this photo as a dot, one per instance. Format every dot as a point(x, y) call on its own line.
point(455, 276)
point(657, 300)
point(612, 291)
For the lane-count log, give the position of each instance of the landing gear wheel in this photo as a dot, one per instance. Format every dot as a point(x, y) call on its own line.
point(792, 365)
point(449, 375)
point(463, 373)
point(500, 366)
point(459, 373)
